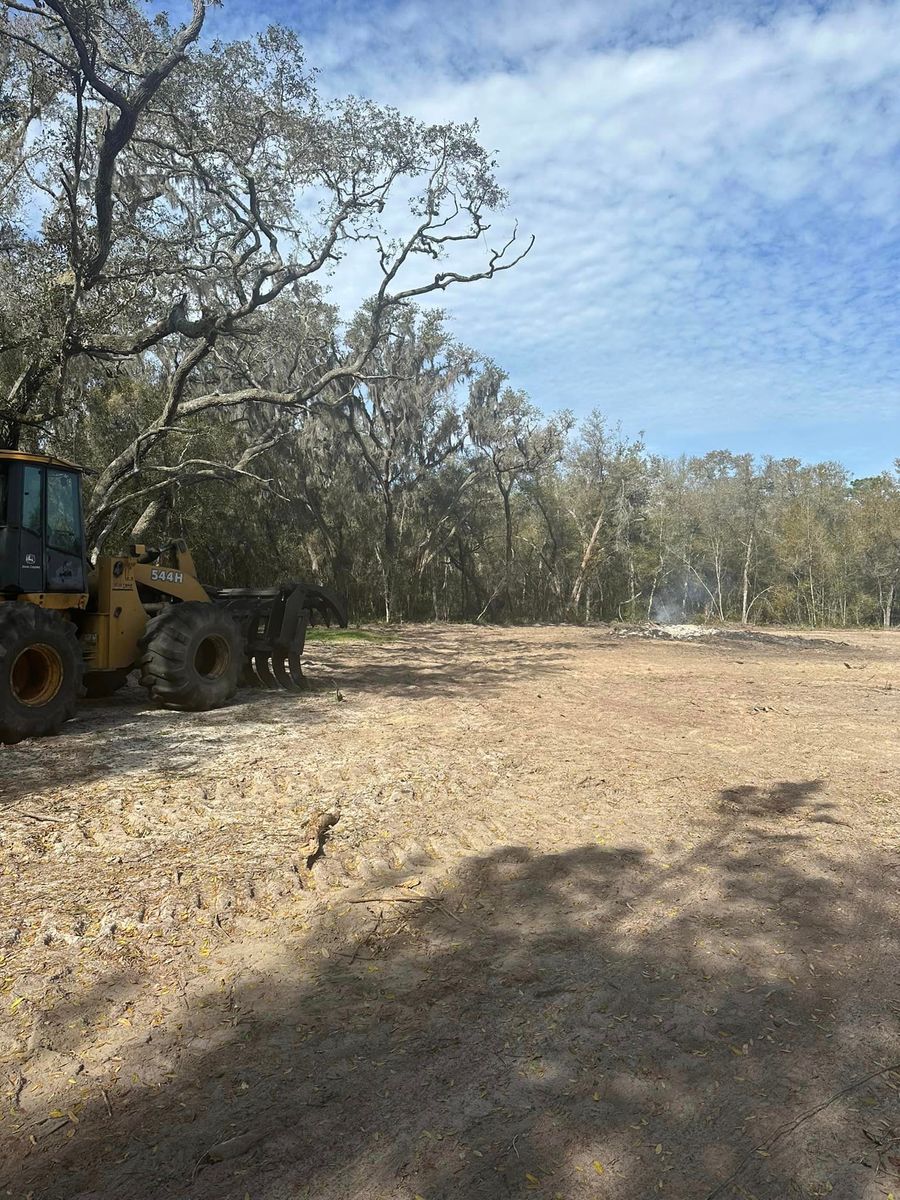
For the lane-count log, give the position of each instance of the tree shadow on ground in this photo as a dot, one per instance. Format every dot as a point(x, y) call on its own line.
point(125, 734)
point(589, 1022)
point(137, 740)
point(415, 669)
point(777, 800)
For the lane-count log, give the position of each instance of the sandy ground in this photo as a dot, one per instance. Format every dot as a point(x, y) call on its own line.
point(602, 916)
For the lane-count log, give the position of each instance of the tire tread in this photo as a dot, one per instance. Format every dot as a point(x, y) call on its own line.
point(166, 671)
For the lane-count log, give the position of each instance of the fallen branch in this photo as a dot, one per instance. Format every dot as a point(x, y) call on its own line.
point(789, 1128)
point(232, 1148)
point(20, 812)
point(315, 830)
point(416, 900)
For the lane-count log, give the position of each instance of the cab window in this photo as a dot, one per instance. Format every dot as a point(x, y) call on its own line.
point(4, 492)
point(31, 500)
point(63, 516)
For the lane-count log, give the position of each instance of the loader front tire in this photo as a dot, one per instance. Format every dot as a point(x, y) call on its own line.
point(41, 668)
point(190, 656)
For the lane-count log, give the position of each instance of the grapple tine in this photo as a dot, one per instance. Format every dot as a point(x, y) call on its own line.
point(249, 678)
point(281, 672)
point(296, 671)
point(274, 623)
point(264, 671)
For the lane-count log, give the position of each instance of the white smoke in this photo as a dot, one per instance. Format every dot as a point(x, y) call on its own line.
point(679, 600)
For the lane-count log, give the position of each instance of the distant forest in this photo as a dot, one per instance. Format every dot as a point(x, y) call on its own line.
point(442, 511)
point(173, 214)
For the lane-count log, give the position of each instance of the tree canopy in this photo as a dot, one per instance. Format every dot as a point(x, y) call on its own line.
point(174, 216)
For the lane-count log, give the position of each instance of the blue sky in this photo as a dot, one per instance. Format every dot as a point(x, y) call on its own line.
point(714, 190)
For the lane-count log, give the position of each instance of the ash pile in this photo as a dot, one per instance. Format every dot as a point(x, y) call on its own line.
point(687, 632)
point(669, 633)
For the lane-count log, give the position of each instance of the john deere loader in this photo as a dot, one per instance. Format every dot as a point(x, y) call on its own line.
point(67, 629)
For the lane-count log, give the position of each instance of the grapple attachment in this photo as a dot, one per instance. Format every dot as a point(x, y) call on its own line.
point(274, 622)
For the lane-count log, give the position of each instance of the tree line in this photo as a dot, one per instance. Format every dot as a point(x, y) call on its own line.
point(173, 215)
point(470, 504)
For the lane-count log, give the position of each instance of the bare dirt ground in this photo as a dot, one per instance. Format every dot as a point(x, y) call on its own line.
point(602, 916)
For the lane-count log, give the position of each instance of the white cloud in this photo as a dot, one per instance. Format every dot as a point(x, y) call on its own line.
point(716, 202)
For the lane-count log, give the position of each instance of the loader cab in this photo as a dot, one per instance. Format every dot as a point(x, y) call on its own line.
point(41, 530)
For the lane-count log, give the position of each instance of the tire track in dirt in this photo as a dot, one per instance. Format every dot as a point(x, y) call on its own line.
point(535, 795)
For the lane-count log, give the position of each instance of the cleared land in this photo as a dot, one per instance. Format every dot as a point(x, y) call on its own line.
point(600, 916)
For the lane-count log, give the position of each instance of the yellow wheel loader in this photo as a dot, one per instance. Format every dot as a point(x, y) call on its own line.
point(67, 630)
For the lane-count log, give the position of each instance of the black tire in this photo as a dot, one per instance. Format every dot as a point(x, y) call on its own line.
point(100, 684)
point(190, 656)
point(41, 669)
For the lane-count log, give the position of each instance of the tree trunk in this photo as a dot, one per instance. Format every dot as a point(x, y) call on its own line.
point(471, 587)
point(507, 517)
point(389, 557)
point(745, 583)
point(653, 587)
point(718, 597)
point(578, 585)
point(464, 582)
point(632, 587)
point(151, 514)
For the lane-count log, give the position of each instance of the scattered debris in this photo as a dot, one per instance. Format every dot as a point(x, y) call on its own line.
point(726, 633)
point(569, 875)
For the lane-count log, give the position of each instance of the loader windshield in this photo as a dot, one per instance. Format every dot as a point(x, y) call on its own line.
point(63, 512)
point(4, 491)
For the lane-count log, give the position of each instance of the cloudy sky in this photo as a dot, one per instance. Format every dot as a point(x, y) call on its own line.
point(714, 189)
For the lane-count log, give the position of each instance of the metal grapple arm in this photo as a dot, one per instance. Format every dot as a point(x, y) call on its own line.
point(274, 622)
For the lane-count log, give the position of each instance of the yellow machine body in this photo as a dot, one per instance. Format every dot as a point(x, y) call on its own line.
point(68, 626)
point(114, 619)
